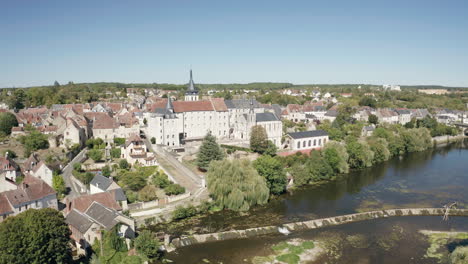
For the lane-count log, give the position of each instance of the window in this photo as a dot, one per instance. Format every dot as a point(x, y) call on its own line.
point(304, 144)
point(315, 142)
point(320, 142)
point(298, 145)
point(310, 142)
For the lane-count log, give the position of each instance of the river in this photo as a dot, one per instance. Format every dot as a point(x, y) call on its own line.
point(425, 179)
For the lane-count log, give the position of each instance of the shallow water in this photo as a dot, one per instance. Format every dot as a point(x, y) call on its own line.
point(427, 179)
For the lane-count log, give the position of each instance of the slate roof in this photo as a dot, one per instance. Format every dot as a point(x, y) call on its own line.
point(266, 117)
point(119, 194)
point(332, 113)
point(106, 217)
point(241, 103)
point(79, 221)
point(101, 182)
point(308, 134)
point(403, 111)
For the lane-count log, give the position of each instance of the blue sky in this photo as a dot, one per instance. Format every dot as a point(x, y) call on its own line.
point(394, 42)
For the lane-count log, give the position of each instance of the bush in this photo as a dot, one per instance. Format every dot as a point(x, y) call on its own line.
point(115, 153)
point(184, 212)
point(153, 140)
point(106, 171)
point(123, 164)
point(161, 180)
point(148, 193)
point(95, 154)
point(174, 189)
point(95, 143)
point(147, 245)
point(119, 141)
point(77, 166)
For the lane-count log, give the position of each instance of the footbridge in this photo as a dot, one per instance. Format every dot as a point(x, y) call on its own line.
point(315, 224)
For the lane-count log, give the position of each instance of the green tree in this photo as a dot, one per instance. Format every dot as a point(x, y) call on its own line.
point(416, 139)
point(368, 101)
point(360, 154)
point(236, 185)
point(272, 170)
point(373, 119)
point(33, 141)
point(271, 149)
point(123, 164)
point(11, 153)
point(17, 99)
point(258, 139)
point(35, 236)
point(95, 154)
point(7, 121)
point(106, 171)
point(95, 143)
point(319, 169)
point(300, 174)
point(147, 245)
point(336, 156)
point(209, 151)
point(119, 141)
point(153, 140)
point(115, 153)
point(58, 184)
point(380, 148)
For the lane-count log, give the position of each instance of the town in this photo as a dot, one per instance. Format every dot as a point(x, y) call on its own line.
point(142, 156)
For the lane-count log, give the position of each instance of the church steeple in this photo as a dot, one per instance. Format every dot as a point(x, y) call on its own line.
point(192, 92)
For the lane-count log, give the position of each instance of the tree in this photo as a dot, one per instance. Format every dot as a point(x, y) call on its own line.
point(373, 119)
point(336, 156)
point(236, 185)
point(147, 245)
point(11, 153)
point(95, 143)
point(360, 154)
point(319, 169)
point(271, 149)
point(58, 184)
point(380, 148)
point(33, 141)
point(106, 171)
point(258, 139)
point(368, 101)
point(17, 99)
point(95, 154)
point(416, 139)
point(148, 193)
point(153, 140)
point(35, 236)
point(123, 164)
point(272, 170)
point(145, 121)
point(119, 141)
point(161, 180)
point(115, 153)
point(7, 121)
point(300, 174)
point(209, 151)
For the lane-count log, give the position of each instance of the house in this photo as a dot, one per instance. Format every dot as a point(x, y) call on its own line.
point(419, 113)
point(73, 134)
point(86, 226)
point(101, 184)
point(81, 203)
point(9, 171)
point(386, 115)
point(404, 116)
point(31, 193)
point(367, 131)
point(134, 151)
point(306, 140)
point(330, 115)
point(38, 169)
point(346, 95)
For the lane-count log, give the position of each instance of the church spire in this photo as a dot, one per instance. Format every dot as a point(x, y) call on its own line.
point(191, 86)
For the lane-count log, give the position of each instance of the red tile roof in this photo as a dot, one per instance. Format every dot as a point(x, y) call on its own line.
point(30, 189)
point(218, 104)
point(189, 106)
point(82, 203)
point(5, 207)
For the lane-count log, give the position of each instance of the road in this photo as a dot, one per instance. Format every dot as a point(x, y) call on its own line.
point(70, 181)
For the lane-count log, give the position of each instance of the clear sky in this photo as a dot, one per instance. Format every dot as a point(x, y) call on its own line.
point(327, 41)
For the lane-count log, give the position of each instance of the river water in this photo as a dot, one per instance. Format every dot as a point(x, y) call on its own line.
point(425, 179)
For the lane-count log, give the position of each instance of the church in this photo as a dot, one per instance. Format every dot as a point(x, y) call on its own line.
point(179, 122)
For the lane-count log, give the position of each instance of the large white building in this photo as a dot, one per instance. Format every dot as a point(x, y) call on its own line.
point(179, 122)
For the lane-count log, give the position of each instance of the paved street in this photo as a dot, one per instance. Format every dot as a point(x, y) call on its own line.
point(70, 181)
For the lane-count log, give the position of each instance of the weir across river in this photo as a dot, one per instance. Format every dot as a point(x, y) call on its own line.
point(314, 224)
